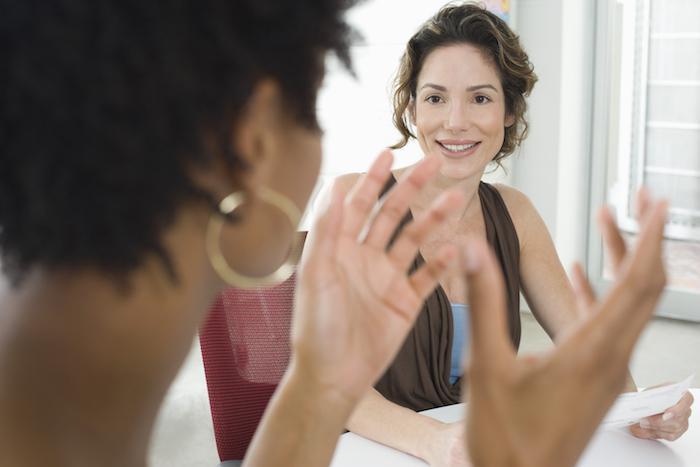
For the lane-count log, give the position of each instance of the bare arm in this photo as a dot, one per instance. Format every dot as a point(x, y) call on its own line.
point(545, 284)
point(541, 411)
point(388, 423)
point(301, 425)
point(354, 306)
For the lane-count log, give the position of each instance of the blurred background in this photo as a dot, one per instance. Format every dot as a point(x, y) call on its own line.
point(617, 106)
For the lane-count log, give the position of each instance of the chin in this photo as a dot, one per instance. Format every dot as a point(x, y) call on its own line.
point(460, 170)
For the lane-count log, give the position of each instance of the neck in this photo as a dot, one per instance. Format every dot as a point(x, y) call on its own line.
point(85, 363)
point(469, 187)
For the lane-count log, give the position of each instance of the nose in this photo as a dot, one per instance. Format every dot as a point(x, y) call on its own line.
point(457, 118)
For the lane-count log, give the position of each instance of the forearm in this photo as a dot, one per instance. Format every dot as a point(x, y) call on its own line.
point(382, 421)
point(301, 425)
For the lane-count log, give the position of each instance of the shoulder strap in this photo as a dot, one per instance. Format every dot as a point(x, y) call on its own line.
point(406, 219)
point(503, 238)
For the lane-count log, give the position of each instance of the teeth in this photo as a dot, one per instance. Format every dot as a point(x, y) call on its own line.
point(458, 147)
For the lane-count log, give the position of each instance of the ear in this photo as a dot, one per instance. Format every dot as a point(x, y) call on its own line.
point(510, 120)
point(251, 140)
point(256, 125)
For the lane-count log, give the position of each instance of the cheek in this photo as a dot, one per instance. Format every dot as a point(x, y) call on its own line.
point(296, 169)
point(428, 121)
point(304, 172)
point(491, 123)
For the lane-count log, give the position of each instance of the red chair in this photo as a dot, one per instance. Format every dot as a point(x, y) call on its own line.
point(245, 345)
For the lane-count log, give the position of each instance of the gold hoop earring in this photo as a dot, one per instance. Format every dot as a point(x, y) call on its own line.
point(227, 206)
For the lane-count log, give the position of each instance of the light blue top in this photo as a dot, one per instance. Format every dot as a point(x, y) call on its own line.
point(460, 320)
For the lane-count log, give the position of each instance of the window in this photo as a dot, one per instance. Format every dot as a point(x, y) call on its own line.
point(648, 125)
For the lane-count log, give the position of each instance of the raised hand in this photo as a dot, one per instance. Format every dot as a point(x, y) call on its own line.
point(355, 301)
point(542, 410)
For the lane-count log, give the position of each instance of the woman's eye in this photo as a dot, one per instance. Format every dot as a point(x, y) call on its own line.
point(482, 99)
point(433, 99)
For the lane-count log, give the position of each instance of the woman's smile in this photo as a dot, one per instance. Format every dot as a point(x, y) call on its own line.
point(457, 149)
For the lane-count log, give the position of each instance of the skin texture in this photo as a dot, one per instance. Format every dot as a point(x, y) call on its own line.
point(540, 411)
point(85, 362)
point(460, 99)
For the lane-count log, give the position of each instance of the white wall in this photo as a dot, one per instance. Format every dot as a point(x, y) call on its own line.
point(356, 113)
point(553, 165)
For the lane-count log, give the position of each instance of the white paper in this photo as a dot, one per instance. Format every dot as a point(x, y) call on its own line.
point(631, 407)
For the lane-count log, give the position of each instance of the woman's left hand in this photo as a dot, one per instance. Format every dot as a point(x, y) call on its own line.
point(669, 425)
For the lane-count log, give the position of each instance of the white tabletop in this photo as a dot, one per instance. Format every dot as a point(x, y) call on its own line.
point(609, 448)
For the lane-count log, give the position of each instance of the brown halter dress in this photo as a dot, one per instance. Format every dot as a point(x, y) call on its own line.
point(419, 377)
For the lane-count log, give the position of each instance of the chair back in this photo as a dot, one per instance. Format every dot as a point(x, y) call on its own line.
point(245, 344)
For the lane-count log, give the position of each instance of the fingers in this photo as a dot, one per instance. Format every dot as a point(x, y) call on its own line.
point(487, 301)
point(688, 399)
point(422, 282)
point(425, 279)
point(669, 426)
point(643, 204)
point(585, 296)
point(614, 243)
point(679, 410)
point(404, 249)
point(649, 243)
point(363, 196)
point(632, 300)
point(395, 204)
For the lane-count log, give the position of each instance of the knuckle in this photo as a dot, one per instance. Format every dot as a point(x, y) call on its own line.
point(394, 210)
point(437, 215)
point(361, 202)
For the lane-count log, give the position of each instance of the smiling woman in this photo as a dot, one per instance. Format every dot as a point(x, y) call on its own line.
point(496, 44)
point(151, 153)
point(461, 91)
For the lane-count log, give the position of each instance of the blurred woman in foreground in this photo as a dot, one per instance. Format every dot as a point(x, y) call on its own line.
point(150, 153)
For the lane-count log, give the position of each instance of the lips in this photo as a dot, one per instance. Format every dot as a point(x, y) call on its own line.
point(458, 148)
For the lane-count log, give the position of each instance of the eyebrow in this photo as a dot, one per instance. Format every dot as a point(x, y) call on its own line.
point(469, 89)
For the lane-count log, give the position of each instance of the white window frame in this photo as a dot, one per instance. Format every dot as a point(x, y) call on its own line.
point(615, 128)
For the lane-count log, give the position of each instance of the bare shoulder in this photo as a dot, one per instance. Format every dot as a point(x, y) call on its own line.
point(346, 181)
point(343, 182)
point(526, 219)
point(517, 202)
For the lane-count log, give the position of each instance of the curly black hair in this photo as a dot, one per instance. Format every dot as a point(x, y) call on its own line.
point(105, 107)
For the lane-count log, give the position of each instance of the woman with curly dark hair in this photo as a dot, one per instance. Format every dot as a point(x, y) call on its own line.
point(461, 91)
point(152, 152)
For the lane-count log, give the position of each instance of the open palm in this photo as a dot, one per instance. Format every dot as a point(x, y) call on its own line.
point(355, 301)
point(542, 410)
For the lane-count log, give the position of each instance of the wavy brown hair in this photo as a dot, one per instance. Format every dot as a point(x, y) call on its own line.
point(468, 24)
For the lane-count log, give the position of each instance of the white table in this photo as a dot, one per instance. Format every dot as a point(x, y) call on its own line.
point(608, 448)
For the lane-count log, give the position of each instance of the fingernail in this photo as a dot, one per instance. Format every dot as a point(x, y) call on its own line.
point(668, 416)
point(644, 423)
